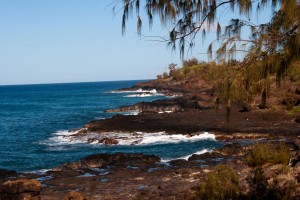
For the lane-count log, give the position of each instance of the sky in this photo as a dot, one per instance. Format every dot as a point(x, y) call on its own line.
point(57, 41)
point(53, 41)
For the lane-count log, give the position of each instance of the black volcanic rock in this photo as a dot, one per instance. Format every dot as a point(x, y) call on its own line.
point(7, 173)
point(116, 159)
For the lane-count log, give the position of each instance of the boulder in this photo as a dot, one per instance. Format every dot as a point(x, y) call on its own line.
point(109, 141)
point(116, 159)
point(205, 156)
point(73, 195)
point(21, 186)
point(25, 189)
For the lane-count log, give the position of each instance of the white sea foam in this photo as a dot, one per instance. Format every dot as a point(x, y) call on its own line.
point(166, 111)
point(65, 137)
point(39, 172)
point(126, 139)
point(135, 91)
point(133, 112)
point(144, 95)
point(197, 153)
point(188, 156)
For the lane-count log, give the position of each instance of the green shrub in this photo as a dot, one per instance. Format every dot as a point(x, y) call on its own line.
point(266, 152)
point(294, 110)
point(221, 184)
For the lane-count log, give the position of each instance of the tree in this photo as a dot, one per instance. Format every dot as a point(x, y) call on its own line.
point(271, 48)
point(172, 68)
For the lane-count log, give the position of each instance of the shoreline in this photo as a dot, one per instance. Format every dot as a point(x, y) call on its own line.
point(140, 176)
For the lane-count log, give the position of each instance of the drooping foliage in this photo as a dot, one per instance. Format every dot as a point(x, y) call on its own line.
point(187, 18)
point(270, 50)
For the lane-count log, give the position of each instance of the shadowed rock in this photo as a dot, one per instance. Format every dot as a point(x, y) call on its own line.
point(117, 159)
point(20, 189)
point(7, 173)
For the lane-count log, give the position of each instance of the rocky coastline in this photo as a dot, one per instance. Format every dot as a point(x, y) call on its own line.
point(138, 176)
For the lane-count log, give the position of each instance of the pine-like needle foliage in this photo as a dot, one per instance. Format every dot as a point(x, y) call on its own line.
point(271, 50)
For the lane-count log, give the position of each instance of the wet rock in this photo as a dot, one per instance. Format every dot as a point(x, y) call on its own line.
point(73, 195)
point(109, 141)
point(205, 156)
point(155, 106)
point(82, 131)
point(25, 189)
point(179, 162)
point(7, 173)
point(116, 159)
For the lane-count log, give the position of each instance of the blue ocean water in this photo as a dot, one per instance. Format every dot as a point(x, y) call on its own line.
point(30, 115)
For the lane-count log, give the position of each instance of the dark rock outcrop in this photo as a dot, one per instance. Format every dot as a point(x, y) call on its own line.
point(156, 106)
point(231, 149)
point(107, 141)
point(7, 173)
point(117, 159)
point(20, 189)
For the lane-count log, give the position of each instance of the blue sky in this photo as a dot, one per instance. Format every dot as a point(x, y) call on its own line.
point(55, 41)
point(47, 41)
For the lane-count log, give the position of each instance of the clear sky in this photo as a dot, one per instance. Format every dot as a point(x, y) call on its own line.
point(47, 41)
point(55, 41)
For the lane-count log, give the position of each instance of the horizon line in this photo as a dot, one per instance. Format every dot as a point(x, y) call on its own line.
point(53, 83)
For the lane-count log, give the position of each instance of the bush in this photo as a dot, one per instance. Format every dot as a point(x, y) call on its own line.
point(272, 153)
point(221, 184)
point(165, 75)
point(190, 62)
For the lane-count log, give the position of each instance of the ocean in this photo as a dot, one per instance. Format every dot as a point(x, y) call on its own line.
point(35, 121)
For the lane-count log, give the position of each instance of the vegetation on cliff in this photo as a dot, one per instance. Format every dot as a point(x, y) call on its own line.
point(229, 85)
point(271, 50)
point(262, 183)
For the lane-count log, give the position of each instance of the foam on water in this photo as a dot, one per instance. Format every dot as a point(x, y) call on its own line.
point(203, 151)
point(145, 95)
point(63, 137)
point(125, 139)
point(161, 137)
point(32, 115)
point(135, 91)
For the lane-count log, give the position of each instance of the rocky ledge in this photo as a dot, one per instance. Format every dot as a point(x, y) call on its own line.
point(193, 121)
point(137, 176)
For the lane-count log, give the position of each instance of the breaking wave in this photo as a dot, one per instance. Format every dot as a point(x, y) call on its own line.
point(135, 91)
point(203, 151)
point(145, 95)
point(125, 139)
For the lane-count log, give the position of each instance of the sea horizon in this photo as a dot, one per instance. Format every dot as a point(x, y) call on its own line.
point(54, 83)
